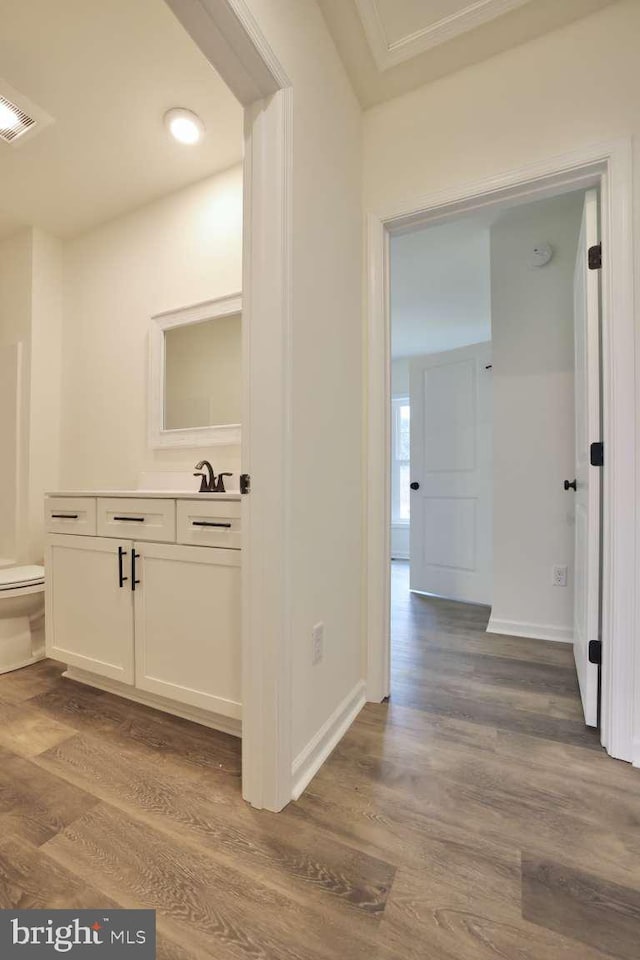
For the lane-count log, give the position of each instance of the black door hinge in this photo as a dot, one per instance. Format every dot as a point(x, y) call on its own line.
point(595, 651)
point(245, 483)
point(597, 454)
point(594, 258)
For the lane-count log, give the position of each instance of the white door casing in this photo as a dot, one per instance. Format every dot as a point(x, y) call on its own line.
point(609, 166)
point(586, 293)
point(451, 526)
point(230, 38)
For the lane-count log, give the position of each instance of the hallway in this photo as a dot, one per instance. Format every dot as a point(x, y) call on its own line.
point(471, 818)
point(444, 663)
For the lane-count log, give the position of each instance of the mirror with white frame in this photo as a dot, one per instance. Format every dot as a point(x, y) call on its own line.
point(195, 375)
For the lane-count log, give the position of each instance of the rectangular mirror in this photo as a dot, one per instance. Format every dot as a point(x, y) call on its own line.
point(195, 375)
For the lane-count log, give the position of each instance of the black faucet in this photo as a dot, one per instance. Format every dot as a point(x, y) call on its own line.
point(209, 483)
point(219, 486)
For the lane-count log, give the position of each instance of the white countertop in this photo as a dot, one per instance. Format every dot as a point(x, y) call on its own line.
point(147, 494)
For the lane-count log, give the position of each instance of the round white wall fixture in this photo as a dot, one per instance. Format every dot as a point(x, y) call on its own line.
point(184, 125)
point(541, 254)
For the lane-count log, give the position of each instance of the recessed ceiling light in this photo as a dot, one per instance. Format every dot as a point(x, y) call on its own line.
point(184, 125)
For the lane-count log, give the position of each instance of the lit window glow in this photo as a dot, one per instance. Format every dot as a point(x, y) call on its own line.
point(400, 460)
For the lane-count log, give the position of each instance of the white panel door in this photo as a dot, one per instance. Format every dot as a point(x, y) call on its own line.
point(451, 552)
point(89, 605)
point(187, 625)
point(586, 625)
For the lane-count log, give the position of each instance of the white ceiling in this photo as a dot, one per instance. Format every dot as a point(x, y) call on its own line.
point(440, 288)
point(106, 73)
point(403, 18)
point(392, 46)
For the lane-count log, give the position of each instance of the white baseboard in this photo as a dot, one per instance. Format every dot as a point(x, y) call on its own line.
point(635, 752)
point(310, 759)
point(534, 631)
point(195, 714)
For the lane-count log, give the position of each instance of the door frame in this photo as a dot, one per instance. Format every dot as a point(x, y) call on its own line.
point(231, 39)
point(608, 166)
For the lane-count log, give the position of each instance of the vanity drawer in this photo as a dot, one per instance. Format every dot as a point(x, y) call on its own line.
point(210, 523)
point(137, 518)
point(70, 515)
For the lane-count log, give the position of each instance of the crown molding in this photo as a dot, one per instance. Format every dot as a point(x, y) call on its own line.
point(389, 54)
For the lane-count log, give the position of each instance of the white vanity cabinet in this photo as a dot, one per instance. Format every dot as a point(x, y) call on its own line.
point(149, 619)
point(187, 625)
point(88, 616)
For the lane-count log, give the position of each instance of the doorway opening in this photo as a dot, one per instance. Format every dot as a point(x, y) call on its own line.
point(606, 168)
point(495, 391)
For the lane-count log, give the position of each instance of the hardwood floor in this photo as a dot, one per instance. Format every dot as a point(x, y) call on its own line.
point(473, 817)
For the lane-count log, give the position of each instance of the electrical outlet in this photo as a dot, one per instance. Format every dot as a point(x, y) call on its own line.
point(317, 643)
point(559, 575)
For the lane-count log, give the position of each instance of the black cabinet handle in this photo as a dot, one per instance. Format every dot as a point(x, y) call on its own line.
point(209, 523)
point(415, 485)
point(131, 519)
point(571, 485)
point(64, 516)
point(134, 557)
point(121, 555)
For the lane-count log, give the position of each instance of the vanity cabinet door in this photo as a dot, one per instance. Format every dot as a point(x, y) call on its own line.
point(89, 605)
point(187, 625)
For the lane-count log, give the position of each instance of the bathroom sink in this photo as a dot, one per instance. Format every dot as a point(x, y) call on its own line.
point(180, 494)
point(148, 493)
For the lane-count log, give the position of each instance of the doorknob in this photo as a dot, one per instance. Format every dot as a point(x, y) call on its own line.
point(571, 485)
point(415, 485)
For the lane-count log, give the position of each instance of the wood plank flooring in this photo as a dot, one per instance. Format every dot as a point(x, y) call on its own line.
point(473, 817)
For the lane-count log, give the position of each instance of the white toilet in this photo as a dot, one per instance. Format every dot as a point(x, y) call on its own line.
point(21, 616)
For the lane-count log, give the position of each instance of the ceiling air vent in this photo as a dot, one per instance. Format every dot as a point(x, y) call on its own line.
point(19, 117)
point(13, 121)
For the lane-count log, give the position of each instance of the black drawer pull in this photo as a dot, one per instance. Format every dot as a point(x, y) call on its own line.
point(209, 523)
point(121, 577)
point(64, 516)
point(131, 519)
point(134, 580)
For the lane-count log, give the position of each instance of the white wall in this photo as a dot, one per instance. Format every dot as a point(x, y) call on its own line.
point(400, 541)
point(400, 377)
point(178, 251)
point(30, 315)
point(15, 328)
point(439, 287)
point(533, 414)
point(326, 550)
point(9, 431)
point(45, 380)
point(532, 102)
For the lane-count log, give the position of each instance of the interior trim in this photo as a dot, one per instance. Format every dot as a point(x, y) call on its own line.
point(310, 759)
point(534, 631)
point(388, 54)
point(608, 165)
